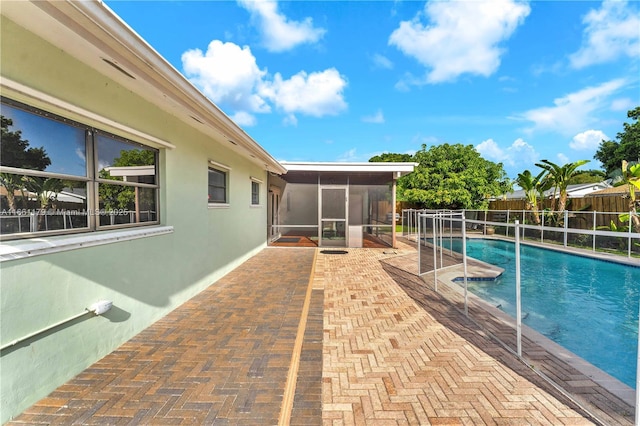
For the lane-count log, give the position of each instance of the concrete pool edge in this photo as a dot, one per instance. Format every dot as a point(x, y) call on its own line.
point(576, 251)
point(604, 379)
point(609, 383)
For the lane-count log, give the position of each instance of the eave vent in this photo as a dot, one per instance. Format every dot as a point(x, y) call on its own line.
point(116, 66)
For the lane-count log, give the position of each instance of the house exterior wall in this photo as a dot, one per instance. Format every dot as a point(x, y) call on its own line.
point(146, 277)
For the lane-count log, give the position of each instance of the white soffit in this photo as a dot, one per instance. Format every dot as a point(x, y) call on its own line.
point(96, 36)
point(402, 168)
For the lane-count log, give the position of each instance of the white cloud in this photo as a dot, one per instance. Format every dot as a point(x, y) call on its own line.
point(588, 140)
point(316, 94)
point(461, 36)
point(518, 153)
point(381, 61)
point(243, 118)
point(349, 156)
point(279, 33)
point(420, 139)
point(227, 74)
point(377, 118)
point(490, 149)
point(623, 104)
point(573, 112)
point(81, 154)
point(562, 159)
point(290, 120)
point(611, 32)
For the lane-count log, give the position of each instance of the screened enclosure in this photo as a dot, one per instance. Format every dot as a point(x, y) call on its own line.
point(336, 205)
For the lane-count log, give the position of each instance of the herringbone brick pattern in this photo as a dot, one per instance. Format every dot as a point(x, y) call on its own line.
point(378, 349)
point(609, 408)
point(221, 358)
point(388, 361)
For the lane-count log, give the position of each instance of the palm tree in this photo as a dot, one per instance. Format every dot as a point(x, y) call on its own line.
point(560, 176)
point(532, 188)
point(631, 176)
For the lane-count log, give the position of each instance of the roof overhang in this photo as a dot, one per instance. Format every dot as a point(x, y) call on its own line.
point(342, 173)
point(398, 169)
point(92, 33)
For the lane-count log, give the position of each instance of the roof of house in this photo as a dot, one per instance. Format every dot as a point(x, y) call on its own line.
point(92, 33)
point(613, 191)
point(374, 167)
point(343, 172)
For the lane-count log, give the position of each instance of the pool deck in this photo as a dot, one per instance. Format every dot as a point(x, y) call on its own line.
point(327, 339)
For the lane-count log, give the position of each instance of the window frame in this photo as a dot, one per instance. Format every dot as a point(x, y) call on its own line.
point(90, 179)
point(257, 183)
point(226, 170)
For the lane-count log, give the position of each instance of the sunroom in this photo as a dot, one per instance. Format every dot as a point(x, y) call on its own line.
point(334, 204)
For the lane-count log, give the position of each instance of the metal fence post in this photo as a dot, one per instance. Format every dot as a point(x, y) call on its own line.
point(507, 223)
point(518, 296)
point(464, 262)
point(419, 249)
point(637, 423)
point(484, 226)
point(441, 231)
point(629, 244)
point(566, 225)
point(595, 220)
point(435, 254)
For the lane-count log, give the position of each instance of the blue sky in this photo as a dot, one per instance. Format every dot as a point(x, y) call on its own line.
point(347, 80)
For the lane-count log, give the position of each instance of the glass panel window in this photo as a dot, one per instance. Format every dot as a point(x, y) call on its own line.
point(255, 193)
point(35, 204)
point(36, 142)
point(125, 161)
point(45, 184)
point(121, 205)
point(217, 186)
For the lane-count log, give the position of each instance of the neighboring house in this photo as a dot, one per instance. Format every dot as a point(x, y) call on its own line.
point(573, 191)
point(614, 191)
point(151, 194)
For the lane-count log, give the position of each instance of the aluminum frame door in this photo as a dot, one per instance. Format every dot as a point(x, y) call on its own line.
point(333, 208)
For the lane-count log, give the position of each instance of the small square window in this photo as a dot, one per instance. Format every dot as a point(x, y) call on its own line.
point(218, 182)
point(255, 193)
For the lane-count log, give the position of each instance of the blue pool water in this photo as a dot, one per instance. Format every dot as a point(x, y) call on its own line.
point(588, 306)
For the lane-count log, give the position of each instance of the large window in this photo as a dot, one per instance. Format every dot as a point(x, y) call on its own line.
point(59, 176)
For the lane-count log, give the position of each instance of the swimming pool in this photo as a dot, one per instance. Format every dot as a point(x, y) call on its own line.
point(588, 306)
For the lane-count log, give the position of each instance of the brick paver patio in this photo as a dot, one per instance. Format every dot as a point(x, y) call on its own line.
point(371, 354)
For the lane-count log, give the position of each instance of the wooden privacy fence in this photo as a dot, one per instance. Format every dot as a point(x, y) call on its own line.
point(607, 208)
point(599, 204)
point(583, 213)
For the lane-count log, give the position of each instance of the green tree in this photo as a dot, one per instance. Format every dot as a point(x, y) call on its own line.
point(388, 157)
point(454, 177)
point(559, 177)
point(15, 152)
point(534, 187)
point(627, 147)
point(588, 176)
point(116, 197)
point(631, 177)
